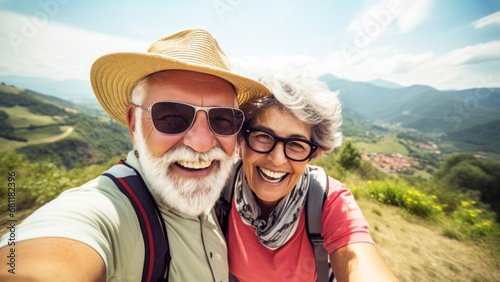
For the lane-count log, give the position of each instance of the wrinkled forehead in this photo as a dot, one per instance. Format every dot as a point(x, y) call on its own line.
point(179, 85)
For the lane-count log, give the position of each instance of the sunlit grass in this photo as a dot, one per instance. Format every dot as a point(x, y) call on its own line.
point(22, 117)
point(468, 217)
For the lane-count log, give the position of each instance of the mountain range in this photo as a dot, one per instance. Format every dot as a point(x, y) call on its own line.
point(466, 116)
point(452, 114)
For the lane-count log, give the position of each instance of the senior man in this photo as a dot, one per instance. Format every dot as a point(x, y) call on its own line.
point(180, 102)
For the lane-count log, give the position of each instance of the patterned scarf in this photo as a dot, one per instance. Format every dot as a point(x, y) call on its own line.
point(282, 221)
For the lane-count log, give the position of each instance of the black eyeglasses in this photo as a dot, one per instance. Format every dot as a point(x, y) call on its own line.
point(177, 118)
point(263, 141)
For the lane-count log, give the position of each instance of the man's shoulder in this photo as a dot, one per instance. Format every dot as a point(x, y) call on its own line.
point(99, 195)
point(99, 187)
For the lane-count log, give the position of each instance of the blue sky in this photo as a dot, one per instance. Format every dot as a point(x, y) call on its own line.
point(446, 44)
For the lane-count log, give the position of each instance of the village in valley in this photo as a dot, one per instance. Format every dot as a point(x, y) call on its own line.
point(398, 163)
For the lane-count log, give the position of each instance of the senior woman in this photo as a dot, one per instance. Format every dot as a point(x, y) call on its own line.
point(266, 237)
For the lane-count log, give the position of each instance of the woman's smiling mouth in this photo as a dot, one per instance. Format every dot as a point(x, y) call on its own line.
point(271, 176)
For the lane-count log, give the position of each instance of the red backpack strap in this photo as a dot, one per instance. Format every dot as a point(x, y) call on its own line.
point(157, 256)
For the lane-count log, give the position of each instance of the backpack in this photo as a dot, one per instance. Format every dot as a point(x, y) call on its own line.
point(157, 256)
point(316, 197)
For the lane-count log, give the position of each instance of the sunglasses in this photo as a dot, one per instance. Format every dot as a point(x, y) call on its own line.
point(177, 118)
point(263, 141)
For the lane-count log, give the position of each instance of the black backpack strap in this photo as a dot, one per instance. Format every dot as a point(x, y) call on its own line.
point(316, 197)
point(223, 206)
point(157, 256)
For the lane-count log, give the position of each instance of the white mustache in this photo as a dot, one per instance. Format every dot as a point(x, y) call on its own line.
point(186, 156)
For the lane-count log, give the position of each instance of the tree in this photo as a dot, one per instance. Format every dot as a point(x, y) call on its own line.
point(465, 172)
point(349, 157)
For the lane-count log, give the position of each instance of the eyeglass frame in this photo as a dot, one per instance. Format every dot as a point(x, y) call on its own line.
point(278, 139)
point(196, 109)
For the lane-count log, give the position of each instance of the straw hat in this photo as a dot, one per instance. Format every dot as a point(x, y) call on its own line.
point(113, 76)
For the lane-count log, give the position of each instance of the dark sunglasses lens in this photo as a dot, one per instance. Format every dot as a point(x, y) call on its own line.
point(225, 121)
point(172, 118)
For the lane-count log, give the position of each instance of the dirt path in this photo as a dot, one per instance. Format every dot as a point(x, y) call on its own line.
point(58, 137)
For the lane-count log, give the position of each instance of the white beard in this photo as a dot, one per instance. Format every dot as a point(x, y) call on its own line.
point(190, 196)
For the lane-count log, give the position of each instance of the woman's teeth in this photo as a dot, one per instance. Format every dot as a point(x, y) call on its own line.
point(271, 176)
point(195, 165)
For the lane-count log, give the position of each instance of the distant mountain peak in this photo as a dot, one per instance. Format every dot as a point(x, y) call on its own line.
point(384, 83)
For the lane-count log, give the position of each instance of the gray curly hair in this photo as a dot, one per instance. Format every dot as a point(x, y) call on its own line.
point(309, 100)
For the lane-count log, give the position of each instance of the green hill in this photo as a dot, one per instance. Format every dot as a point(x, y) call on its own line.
point(484, 97)
point(42, 127)
point(482, 137)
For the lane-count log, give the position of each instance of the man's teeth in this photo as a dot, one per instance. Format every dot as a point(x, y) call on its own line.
point(271, 176)
point(195, 165)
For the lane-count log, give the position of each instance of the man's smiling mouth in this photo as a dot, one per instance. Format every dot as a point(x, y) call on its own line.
point(194, 165)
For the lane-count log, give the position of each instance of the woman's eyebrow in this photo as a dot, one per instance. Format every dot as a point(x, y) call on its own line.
point(269, 130)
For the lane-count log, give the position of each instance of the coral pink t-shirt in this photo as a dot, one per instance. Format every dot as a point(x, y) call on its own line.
point(249, 260)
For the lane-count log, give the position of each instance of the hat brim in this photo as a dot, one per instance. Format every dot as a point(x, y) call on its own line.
point(113, 77)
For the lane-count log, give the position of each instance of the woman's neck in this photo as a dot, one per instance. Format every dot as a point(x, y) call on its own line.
point(266, 208)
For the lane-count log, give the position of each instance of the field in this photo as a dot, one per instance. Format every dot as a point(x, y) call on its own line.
point(34, 128)
point(386, 145)
point(20, 117)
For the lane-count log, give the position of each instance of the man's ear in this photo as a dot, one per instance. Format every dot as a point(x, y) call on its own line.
point(131, 121)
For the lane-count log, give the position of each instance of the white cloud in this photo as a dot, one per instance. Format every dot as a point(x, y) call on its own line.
point(413, 14)
point(36, 46)
point(383, 16)
point(447, 71)
point(474, 54)
point(488, 20)
point(287, 65)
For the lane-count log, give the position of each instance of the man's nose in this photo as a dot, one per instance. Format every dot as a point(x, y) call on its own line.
point(199, 137)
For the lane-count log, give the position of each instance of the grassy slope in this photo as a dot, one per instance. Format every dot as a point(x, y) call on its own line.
point(10, 89)
point(21, 117)
point(417, 251)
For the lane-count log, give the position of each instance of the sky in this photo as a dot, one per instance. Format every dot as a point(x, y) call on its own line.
point(445, 44)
